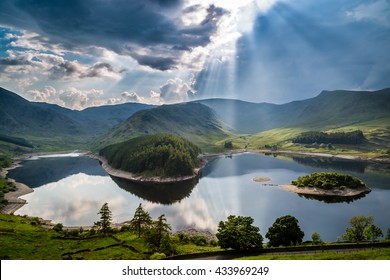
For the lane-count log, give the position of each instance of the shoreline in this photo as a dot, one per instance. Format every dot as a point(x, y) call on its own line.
point(13, 197)
point(145, 180)
point(15, 202)
point(385, 160)
point(346, 193)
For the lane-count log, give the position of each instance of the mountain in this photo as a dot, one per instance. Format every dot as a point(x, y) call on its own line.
point(328, 109)
point(50, 126)
point(207, 123)
point(194, 121)
point(21, 117)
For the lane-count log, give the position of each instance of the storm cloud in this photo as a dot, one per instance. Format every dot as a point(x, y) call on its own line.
point(118, 25)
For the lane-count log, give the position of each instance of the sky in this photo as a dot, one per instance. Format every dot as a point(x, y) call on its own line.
point(82, 53)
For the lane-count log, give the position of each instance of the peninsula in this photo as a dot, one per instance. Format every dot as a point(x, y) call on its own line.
point(160, 158)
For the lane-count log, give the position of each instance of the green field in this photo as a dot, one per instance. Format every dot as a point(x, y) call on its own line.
point(369, 254)
point(22, 238)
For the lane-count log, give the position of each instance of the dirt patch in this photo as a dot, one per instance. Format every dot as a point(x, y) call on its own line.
point(261, 179)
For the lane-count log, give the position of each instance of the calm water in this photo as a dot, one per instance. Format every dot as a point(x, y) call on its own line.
point(71, 190)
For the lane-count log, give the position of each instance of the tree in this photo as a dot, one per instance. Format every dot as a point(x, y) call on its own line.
point(239, 233)
point(372, 232)
point(356, 232)
point(316, 238)
point(158, 234)
point(104, 225)
point(141, 220)
point(285, 231)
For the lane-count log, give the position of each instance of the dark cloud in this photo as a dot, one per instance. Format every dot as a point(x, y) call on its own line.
point(99, 69)
point(114, 25)
point(156, 62)
point(13, 62)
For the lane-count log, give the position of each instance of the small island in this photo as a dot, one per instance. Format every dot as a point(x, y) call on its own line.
point(160, 158)
point(328, 184)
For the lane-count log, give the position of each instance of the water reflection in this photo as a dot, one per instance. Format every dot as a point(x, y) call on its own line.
point(226, 187)
point(333, 199)
point(331, 163)
point(41, 171)
point(161, 193)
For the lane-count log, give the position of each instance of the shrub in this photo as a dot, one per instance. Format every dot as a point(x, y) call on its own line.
point(58, 227)
point(199, 240)
point(158, 256)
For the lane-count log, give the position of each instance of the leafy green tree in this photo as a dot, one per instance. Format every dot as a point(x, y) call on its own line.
point(316, 238)
point(104, 225)
point(356, 232)
point(141, 220)
point(388, 234)
point(372, 232)
point(239, 233)
point(285, 231)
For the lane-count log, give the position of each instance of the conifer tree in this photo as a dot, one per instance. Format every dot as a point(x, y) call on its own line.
point(104, 225)
point(141, 220)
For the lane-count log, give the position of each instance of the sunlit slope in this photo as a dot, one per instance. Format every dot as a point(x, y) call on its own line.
point(194, 121)
point(328, 110)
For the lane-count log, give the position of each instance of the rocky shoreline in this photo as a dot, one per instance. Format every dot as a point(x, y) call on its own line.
point(344, 193)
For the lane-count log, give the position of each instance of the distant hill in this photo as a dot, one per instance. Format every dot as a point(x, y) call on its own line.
point(21, 117)
point(53, 127)
point(207, 123)
point(194, 121)
point(328, 109)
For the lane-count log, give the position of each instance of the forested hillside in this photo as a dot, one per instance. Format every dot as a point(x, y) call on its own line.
point(161, 154)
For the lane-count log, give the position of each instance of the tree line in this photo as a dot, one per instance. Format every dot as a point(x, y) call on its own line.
point(310, 137)
point(237, 232)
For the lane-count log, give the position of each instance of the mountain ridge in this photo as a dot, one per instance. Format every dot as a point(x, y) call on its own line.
point(205, 122)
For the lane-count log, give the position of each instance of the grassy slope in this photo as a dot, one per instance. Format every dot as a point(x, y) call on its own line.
point(21, 240)
point(193, 121)
point(377, 133)
point(374, 254)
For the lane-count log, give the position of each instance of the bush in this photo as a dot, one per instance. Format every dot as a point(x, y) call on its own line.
point(184, 238)
point(199, 240)
point(35, 221)
point(58, 227)
point(158, 256)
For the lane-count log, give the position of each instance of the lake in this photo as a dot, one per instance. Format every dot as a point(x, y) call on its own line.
point(71, 189)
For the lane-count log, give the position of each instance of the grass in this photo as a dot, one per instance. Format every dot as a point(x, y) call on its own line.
point(20, 240)
point(369, 254)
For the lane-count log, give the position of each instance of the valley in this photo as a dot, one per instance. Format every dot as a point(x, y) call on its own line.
point(28, 127)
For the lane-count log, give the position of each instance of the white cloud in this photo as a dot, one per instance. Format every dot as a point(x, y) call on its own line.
point(175, 90)
point(378, 11)
point(71, 97)
point(131, 97)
